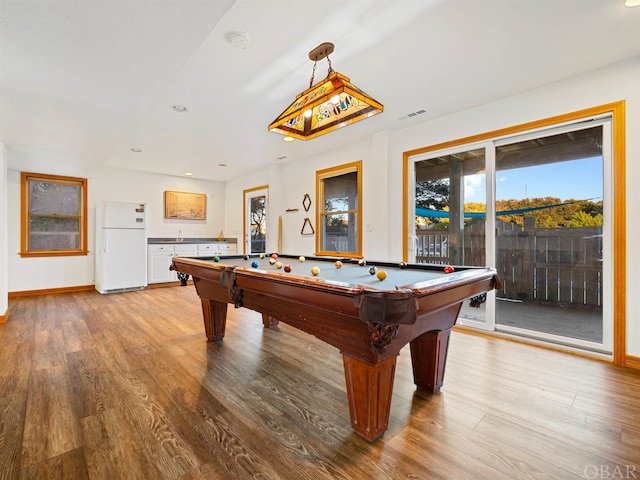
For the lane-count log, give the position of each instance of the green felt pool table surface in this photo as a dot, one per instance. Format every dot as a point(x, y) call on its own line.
point(413, 276)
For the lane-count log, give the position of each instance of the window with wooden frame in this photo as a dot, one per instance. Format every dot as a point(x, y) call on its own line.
point(53, 215)
point(339, 216)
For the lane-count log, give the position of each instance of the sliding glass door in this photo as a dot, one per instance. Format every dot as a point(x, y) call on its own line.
point(451, 218)
point(537, 207)
point(551, 213)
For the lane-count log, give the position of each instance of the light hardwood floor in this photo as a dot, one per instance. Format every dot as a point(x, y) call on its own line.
point(126, 386)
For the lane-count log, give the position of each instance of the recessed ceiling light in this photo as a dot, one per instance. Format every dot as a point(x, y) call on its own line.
point(179, 108)
point(288, 139)
point(632, 3)
point(239, 40)
point(188, 174)
point(135, 150)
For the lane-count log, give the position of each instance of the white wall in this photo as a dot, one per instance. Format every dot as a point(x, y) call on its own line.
point(4, 270)
point(40, 273)
point(288, 183)
point(382, 168)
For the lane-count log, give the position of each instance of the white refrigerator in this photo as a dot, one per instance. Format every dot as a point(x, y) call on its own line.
point(121, 247)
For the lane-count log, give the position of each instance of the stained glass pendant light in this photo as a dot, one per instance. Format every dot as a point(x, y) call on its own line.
point(330, 104)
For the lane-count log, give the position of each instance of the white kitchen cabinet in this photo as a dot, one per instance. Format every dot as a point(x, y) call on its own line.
point(207, 249)
point(185, 249)
point(228, 248)
point(213, 249)
point(158, 262)
point(160, 256)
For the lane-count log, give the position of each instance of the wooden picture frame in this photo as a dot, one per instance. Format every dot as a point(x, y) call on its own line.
point(185, 205)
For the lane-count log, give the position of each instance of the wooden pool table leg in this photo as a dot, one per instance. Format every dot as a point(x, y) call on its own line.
point(269, 322)
point(428, 358)
point(369, 390)
point(215, 319)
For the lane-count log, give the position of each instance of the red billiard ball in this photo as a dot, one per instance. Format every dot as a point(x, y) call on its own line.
point(449, 269)
point(287, 268)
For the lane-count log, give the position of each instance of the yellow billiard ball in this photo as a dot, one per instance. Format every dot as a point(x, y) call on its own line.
point(315, 270)
point(381, 274)
point(278, 264)
point(301, 258)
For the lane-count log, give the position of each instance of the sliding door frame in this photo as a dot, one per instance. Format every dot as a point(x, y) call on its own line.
point(618, 126)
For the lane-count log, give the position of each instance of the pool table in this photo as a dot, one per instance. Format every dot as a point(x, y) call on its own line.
point(367, 319)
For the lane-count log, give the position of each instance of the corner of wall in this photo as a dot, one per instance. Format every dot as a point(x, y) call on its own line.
point(4, 275)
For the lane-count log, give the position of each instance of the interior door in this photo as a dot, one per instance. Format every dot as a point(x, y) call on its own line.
point(256, 202)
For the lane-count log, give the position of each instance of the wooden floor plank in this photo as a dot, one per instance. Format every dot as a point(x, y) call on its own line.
point(126, 386)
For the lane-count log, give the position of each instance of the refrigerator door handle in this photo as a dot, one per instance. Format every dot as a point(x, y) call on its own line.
point(104, 243)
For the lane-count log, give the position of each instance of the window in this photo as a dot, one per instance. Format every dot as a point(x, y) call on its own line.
point(53, 215)
point(339, 220)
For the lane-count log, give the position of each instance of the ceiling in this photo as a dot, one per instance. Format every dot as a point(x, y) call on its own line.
point(83, 83)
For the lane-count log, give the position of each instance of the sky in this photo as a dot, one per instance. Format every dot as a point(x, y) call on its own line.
point(577, 179)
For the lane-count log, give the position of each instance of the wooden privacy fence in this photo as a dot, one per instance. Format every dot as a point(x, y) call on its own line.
point(560, 265)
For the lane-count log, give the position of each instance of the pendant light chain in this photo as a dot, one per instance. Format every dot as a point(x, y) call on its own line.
point(313, 72)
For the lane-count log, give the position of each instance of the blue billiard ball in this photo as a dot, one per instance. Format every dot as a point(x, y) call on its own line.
point(254, 264)
point(372, 270)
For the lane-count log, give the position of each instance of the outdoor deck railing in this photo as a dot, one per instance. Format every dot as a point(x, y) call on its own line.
point(559, 265)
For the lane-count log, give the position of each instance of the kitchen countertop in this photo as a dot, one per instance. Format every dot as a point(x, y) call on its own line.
point(157, 240)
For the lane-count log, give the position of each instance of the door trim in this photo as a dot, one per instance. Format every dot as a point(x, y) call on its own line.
point(244, 214)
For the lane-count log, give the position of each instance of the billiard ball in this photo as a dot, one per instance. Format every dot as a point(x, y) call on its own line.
point(254, 264)
point(315, 271)
point(287, 268)
point(246, 257)
point(278, 264)
point(272, 261)
point(403, 265)
point(301, 258)
point(372, 270)
point(338, 264)
point(274, 255)
point(216, 259)
point(381, 274)
point(449, 269)
point(362, 262)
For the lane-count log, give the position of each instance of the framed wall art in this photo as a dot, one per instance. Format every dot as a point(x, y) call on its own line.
point(185, 205)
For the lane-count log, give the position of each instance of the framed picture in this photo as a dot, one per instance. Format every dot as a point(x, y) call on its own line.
point(185, 206)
